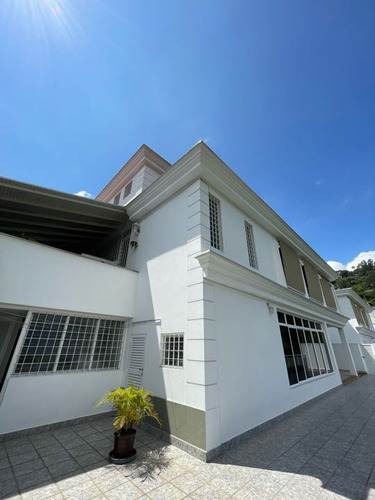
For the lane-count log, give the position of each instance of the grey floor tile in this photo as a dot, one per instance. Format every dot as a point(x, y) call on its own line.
point(4, 463)
point(188, 482)
point(81, 450)
point(56, 458)
point(84, 491)
point(73, 443)
point(23, 457)
point(8, 487)
point(42, 492)
point(31, 479)
point(17, 448)
point(88, 459)
point(6, 473)
point(65, 467)
point(31, 466)
point(209, 492)
point(166, 492)
point(64, 435)
point(50, 449)
point(124, 491)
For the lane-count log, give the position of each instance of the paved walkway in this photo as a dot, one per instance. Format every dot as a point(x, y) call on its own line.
point(325, 451)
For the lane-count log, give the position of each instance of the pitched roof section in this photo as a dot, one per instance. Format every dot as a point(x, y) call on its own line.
point(145, 156)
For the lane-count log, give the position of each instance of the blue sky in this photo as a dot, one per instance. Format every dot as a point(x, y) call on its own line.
point(283, 91)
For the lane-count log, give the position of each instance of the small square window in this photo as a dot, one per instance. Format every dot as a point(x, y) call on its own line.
point(172, 350)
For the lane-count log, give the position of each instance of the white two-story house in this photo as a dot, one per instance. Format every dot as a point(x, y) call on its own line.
point(222, 311)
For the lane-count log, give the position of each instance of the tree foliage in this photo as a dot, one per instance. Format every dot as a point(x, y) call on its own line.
point(361, 279)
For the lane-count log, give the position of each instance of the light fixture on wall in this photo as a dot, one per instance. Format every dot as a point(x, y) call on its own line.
point(271, 309)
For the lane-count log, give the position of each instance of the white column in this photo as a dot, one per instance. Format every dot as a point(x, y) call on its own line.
point(348, 353)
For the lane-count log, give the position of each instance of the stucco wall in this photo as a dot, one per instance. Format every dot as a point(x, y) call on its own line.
point(44, 399)
point(252, 377)
point(38, 276)
point(160, 259)
point(235, 246)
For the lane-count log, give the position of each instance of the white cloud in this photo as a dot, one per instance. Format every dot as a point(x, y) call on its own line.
point(318, 182)
point(335, 265)
point(84, 194)
point(353, 263)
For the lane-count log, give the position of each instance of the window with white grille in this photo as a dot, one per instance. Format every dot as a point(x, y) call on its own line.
point(172, 350)
point(215, 223)
point(56, 343)
point(251, 245)
point(128, 189)
point(305, 348)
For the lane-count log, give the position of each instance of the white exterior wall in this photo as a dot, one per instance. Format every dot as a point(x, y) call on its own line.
point(160, 259)
point(252, 376)
point(38, 276)
point(31, 401)
point(35, 276)
point(141, 181)
point(235, 245)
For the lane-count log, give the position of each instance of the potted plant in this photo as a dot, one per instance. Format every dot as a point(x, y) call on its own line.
point(132, 405)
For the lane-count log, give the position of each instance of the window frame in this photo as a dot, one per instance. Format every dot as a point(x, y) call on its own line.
point(250, 242)
point(216, 228)
point(169, 339)
point(318, 358)
point(128, 189)
point(47, 349)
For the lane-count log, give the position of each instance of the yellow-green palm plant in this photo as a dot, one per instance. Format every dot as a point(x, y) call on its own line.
point(131, 405)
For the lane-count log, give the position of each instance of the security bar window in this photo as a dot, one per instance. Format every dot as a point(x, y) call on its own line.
point(62, 343)
point(215, 223)
point(128, 189)
point(172, 350)
point(251, 245)
point(305, 348)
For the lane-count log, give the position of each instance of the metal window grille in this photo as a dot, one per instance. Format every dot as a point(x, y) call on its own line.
point(253, 261)
point(128, 189)
point(215, 223)
point(61, 343)
point(172, 350)
point(305, 348)
point(123, 251)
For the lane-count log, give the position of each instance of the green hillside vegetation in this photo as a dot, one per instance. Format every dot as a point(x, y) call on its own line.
point(361, 279)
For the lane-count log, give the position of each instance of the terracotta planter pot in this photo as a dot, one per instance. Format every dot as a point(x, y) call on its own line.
point(124, 444)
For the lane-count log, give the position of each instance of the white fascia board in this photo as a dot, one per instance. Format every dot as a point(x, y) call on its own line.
point(220, 270)
point(349, 292)
point(202, 163)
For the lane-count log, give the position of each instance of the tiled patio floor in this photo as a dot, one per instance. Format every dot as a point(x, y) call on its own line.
point(325, 450)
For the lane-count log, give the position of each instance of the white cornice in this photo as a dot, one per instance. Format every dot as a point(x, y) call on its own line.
point(202, 163)
point(220, 270)
point(364, 330)
point(349, 292)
